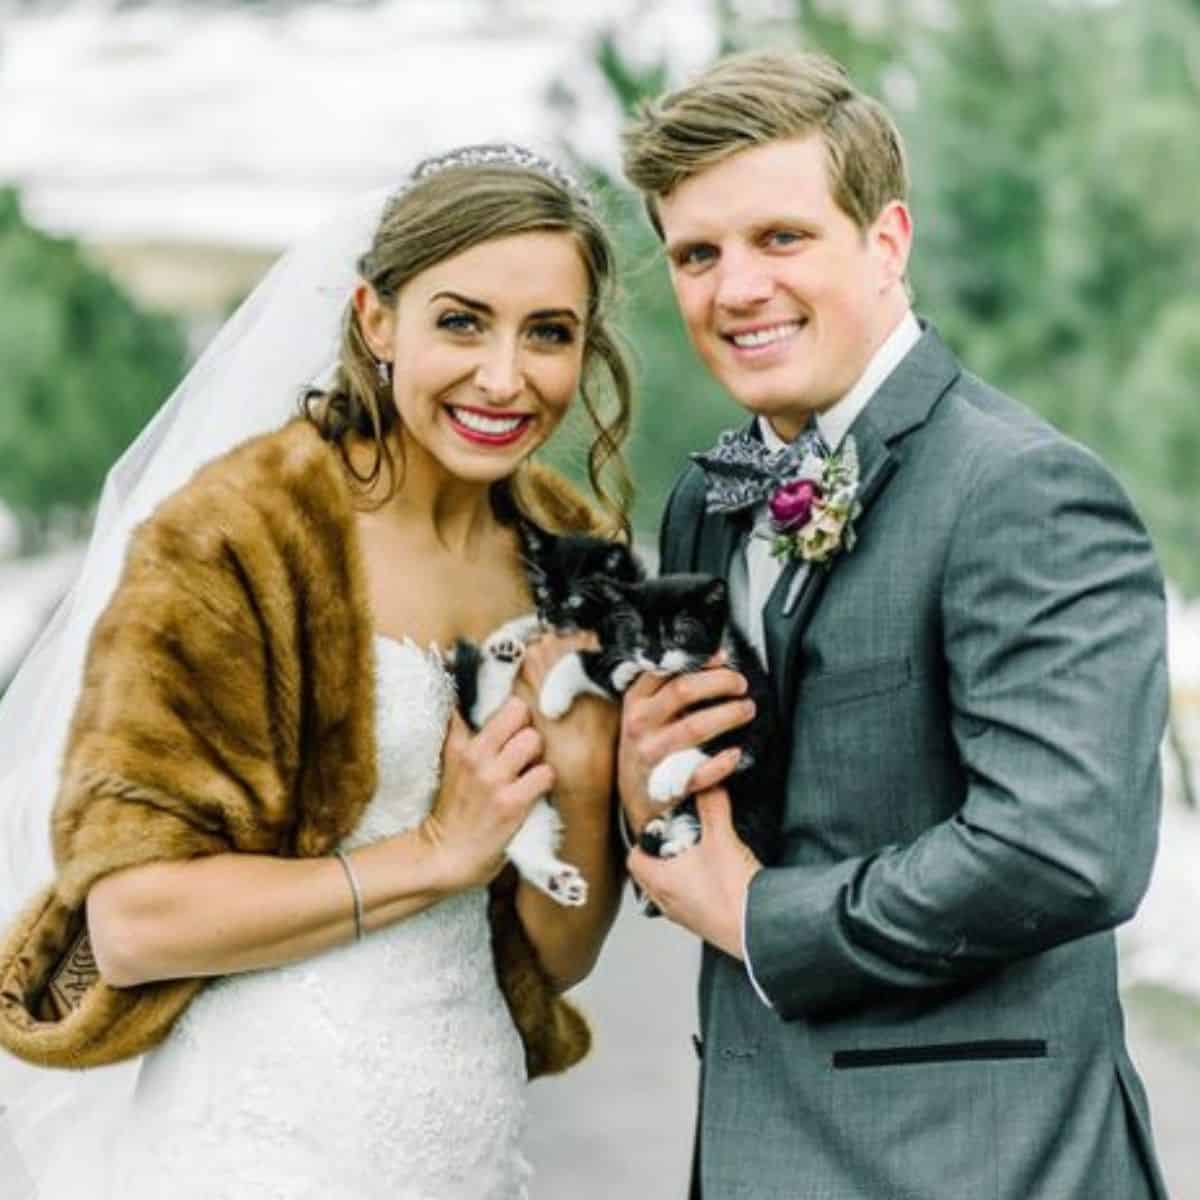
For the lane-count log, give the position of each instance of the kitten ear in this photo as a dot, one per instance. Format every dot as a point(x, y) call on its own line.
point(716, 594)
point(532, 538)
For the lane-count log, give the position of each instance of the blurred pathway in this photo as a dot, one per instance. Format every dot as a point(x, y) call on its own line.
point(1164, 1038)
point(620, 1125)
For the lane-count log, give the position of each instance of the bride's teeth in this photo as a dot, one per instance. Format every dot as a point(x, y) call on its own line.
point(494, 426)
point(763, 337)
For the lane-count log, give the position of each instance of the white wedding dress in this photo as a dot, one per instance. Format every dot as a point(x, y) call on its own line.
point(388, 1068)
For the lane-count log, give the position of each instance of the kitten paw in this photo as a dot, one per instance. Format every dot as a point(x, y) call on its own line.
point(670, 836)
point(652, 835)
point(669, 781)
point(623, 675)
point(683, 832)
point(567, 886)
point(502, 647)
point(554, 702)
point(561, 686)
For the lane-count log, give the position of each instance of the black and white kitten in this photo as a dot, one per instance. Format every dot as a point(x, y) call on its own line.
point(562, 571)
point(483, 679)
point(572, 575)
point(668, 626)
point(565, 571)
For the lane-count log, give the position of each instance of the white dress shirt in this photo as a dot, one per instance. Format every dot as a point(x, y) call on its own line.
point(754, 572)
point(749, 595)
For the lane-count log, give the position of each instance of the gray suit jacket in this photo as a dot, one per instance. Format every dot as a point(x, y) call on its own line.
point(976, 697)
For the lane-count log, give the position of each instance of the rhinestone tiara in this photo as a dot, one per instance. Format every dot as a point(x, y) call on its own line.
point(498, 154)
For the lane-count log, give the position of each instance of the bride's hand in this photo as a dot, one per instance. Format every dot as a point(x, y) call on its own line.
point(581, 745)
point(490, 780)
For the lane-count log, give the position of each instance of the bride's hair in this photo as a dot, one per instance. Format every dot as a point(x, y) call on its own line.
point(452, 206)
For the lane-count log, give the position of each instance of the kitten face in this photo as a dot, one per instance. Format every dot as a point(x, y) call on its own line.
point(566, 570)
point(666, 625)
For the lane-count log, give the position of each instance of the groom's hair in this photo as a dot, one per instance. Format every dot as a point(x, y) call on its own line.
point(751, 99)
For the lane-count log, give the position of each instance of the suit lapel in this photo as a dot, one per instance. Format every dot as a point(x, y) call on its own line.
point(719, 538)
point(903, 403)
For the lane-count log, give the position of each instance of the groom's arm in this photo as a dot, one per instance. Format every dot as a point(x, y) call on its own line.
point(1054, 637)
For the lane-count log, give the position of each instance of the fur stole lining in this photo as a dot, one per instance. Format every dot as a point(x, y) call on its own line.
point(228, 705)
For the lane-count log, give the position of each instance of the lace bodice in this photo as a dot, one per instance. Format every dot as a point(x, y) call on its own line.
point(413, 699)
point(386, 1068)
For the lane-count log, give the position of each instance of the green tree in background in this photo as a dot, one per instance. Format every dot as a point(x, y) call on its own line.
point(1057, 250)
point(82, 368)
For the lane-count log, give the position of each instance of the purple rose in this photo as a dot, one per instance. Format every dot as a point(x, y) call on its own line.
point(791, 505)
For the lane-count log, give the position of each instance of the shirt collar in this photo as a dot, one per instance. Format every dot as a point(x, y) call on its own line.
point(834, 423)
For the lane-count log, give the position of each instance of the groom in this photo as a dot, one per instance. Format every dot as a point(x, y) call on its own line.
point(919, 999)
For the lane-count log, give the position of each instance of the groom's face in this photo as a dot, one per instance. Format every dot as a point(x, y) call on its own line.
point(784, 297)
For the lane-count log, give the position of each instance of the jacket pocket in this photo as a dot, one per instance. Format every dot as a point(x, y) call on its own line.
point(943, 1052)
point(855, 683)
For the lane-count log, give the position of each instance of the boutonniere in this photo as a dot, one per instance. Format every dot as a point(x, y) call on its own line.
point(813, 513)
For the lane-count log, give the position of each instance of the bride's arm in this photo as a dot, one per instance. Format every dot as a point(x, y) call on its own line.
point(225, 913)
point(581, 748)
point(240, 912)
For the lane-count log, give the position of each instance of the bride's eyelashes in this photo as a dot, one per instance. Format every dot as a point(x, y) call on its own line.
point(547, 333)
point(555, 333)
point(459, 322)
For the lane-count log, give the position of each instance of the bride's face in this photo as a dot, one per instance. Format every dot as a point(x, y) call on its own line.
point(487, 349)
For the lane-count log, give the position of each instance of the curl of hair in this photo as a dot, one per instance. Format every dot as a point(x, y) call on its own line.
point(356, 402)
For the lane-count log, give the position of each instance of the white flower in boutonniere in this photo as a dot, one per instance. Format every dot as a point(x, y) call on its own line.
point(813, 513)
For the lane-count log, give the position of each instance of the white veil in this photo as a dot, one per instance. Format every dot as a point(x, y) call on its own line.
point(248, 381)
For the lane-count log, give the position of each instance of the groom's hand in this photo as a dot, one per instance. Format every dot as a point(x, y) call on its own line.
point(704, 888)
point(660, 715)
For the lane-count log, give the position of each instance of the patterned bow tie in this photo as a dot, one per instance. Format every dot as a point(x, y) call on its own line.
point(742, 472)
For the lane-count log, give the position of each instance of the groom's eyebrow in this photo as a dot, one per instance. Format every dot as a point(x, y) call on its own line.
point(542, 314)
point(672, 248)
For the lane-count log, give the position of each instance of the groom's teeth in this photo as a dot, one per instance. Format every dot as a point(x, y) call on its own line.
point(493, 426)
point(764, 337)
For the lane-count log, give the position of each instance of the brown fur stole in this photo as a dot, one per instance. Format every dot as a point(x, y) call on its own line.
point(228, 705)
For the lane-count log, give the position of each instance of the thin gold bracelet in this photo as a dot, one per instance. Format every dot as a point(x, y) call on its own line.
point(355, 891)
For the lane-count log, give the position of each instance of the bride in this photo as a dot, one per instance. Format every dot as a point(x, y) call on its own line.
point(273, 835)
